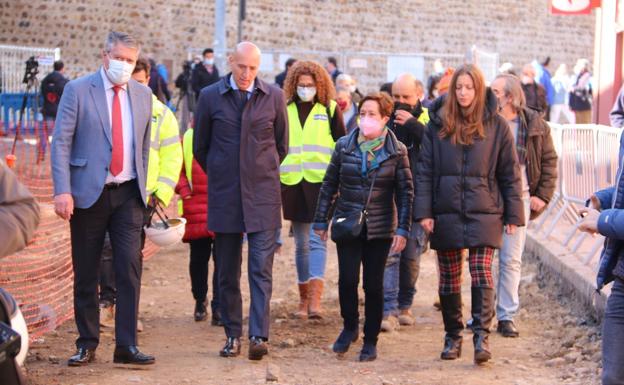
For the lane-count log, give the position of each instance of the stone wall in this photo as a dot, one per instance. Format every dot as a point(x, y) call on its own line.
point(518, 30)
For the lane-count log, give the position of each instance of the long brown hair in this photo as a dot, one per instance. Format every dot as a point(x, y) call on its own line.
point(461, 124)
point(325, 91)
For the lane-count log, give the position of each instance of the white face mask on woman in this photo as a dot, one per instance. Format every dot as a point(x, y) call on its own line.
point(119, 72)
point(306, 94)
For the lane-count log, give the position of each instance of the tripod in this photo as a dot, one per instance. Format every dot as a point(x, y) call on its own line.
point(31, 82)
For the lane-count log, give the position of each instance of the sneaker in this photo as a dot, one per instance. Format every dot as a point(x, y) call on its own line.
point(406, 318)
point(107, 316)
point(389, 324)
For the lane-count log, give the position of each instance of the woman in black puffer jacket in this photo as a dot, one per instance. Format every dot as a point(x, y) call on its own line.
point(469, 189)
point(370, 153)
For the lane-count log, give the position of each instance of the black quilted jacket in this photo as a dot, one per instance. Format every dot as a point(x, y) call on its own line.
point(344, 182)
point(470, 191)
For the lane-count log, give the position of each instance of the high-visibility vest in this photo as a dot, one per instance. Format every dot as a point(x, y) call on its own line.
point(165, 153)
point(309, 147)
point(187, 151)
point(424, 116)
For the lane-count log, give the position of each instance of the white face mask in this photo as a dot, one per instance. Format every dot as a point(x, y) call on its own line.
point(306, 94)
point(208, 62)
point(119, 72)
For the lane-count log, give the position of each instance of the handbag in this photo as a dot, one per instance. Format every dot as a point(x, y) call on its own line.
point(348, 227)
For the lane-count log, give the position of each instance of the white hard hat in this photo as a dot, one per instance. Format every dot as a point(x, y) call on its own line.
point(166, 234)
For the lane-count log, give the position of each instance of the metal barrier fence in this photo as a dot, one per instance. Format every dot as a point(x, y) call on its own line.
point(588, 162)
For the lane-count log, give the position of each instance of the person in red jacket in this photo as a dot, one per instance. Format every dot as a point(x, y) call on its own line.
point(193, 190)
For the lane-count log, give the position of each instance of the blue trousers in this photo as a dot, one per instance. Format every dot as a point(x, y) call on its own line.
point(229, 255)
point(613, 337)
point(310, 252)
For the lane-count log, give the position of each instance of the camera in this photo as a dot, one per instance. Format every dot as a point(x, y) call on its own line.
point(32, 69)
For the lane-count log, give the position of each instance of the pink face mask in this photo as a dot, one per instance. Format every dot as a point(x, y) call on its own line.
point(371, 127)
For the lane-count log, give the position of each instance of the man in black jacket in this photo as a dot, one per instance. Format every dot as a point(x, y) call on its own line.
point(534, 93)
point(538, 169)
point(51, 89)
point(281, 77)
point(204, 73)
point(402, 269)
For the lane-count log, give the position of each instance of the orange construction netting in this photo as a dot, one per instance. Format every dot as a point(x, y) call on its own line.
point(40, 277)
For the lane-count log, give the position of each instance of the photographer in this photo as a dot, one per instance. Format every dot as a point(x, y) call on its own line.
point(402, 269)
point(186, 98)
point(52, 89)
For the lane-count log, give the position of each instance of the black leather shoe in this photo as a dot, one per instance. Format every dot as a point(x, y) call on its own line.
point(344, 340)
point(131, 355)
point(215, 319)
point(368, 353)
point(452, 347)
point(82, 357)
point(231, 348)
point(200, 313)
point(257, 348)
point(507, 329)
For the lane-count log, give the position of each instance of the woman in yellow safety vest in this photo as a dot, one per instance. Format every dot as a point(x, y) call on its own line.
point(315, 124)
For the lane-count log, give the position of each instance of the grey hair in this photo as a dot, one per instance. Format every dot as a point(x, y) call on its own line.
point(114, 38)
point(342, 89)
point(344, 76)
point(513, 89)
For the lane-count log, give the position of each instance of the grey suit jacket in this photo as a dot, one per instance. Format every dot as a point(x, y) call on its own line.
point(82, 144)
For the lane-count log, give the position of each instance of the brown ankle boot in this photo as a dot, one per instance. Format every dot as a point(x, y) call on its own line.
point(304, 300)
point(316, 292)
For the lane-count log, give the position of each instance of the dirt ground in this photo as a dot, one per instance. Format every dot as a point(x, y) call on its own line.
point(557, 345)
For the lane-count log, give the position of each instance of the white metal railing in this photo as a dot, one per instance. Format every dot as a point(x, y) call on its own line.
point(13, 64)
point(588, 162)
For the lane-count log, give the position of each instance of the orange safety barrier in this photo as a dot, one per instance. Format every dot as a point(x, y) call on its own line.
point(40, 277)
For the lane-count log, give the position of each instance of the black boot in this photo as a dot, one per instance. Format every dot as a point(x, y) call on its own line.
point(344, 340)
point(451, 305)
point(200, 311)
point(482, 314)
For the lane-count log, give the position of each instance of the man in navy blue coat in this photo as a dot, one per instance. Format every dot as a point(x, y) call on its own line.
point(240, 139)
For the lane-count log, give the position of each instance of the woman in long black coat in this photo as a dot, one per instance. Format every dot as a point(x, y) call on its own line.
point(469, 190)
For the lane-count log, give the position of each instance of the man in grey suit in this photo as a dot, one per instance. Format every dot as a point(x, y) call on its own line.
point(99, 161)
point(240, 139)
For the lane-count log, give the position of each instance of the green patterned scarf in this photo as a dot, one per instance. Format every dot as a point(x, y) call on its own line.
point(368, 148)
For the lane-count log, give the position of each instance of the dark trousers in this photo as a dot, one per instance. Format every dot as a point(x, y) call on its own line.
point(371, 254)
point(198, 269)
point(229, 254)
point(120, 212)
point(108, 291)
point(613, 337)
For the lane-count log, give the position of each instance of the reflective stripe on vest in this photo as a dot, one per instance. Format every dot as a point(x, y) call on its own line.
point(310, 147)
